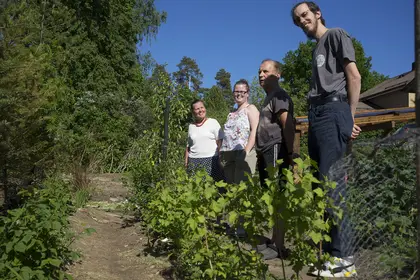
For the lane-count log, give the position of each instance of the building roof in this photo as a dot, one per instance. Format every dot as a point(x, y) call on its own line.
point(363, 106)
point(396, 83)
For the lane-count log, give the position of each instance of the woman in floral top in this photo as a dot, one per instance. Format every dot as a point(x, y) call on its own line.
point(238, 155)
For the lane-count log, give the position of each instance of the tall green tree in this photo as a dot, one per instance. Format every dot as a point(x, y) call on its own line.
point(70, 83)
point(257, 93)
point(216, 107)
point(373, 79)
point(296, 75)
point(297, 71)
point(364, 64)
point(188, 71)
point(223, 79)
point(102, 70)
point(29, 82)
point(223, 82)
point(147, 63)
point(159, 71)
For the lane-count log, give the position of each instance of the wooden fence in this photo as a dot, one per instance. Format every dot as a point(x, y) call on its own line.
point(367, 120)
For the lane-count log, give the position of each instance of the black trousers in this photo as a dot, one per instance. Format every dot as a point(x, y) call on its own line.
point(330, 128)
point(269, 158)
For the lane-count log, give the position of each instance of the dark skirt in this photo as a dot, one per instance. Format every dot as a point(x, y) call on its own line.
point(211, 165)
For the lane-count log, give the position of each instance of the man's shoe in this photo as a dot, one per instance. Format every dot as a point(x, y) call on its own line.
point(339, 267)
point(269, 253)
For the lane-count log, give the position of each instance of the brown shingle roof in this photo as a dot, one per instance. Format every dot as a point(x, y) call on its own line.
point(396, 83)
point(363, 106)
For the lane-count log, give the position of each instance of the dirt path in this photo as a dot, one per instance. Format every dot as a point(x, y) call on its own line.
point(115, 250)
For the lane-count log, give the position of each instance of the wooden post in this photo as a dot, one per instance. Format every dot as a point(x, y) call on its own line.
point(417, 83)
point(296, 143)
point(387, 131)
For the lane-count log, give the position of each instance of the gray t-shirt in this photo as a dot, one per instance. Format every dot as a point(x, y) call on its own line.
point(328, 77)
point(269, 128)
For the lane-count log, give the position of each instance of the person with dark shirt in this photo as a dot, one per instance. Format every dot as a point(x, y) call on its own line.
point(333, 97)
point(274, 141)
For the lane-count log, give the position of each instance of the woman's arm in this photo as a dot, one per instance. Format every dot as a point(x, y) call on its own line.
point(218, 134)
point(253, 117)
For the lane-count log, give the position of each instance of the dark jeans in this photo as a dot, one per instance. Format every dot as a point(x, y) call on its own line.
point(264, 160)
point(269, 158)
point(330, 128)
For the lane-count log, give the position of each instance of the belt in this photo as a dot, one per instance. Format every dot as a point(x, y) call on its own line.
point(317, 101)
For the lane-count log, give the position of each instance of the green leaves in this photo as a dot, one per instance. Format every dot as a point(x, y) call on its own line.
point(315, 236)
point(34, 239)
point(209, 192)
point(189, 219)
point(319, 192)
point(192, 223)
point(187, 209)
point(233, 216)
point(20, 247)
point(267, 198)
point(302, 210)
point(53, 262)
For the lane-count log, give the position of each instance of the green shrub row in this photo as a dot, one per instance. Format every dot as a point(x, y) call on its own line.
point(35, 239)
point(190, 212)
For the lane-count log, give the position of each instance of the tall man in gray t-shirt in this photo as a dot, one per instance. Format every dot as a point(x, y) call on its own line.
point(333, 97)
point(274, 139)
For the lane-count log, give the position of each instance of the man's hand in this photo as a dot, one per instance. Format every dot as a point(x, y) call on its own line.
point(356, 131)
point(291, 157)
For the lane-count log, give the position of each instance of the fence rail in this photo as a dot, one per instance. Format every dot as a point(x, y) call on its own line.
point(368, 120)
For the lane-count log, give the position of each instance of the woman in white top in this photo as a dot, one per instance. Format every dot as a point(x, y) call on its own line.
point(204, 140)
point(238, 155)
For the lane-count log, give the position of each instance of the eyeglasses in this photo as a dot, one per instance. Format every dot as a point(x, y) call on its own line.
point(240, 91)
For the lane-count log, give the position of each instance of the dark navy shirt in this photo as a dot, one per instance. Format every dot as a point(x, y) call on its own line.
point(269, 130)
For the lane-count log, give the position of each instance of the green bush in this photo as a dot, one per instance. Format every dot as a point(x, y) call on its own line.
point(185, 210)
point(35, 239)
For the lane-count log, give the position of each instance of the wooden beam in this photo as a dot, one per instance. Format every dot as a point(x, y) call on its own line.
point(366, 111)
point(387, 126)
point(386, 122)
point(372, 120)
point(402, 117)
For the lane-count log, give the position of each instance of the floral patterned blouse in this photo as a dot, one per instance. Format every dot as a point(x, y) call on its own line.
point(236, 131)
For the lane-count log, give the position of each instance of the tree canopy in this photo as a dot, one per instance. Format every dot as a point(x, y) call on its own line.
point(223, 79)
point(70, 84)
point(188, 71)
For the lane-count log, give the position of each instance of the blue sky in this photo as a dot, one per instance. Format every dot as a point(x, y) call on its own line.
point(238, 34)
